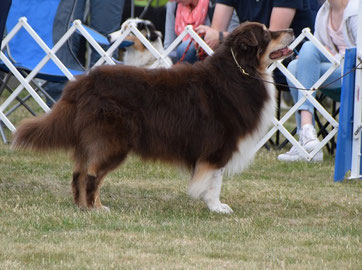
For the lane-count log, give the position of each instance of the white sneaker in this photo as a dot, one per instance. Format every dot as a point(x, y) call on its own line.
point(310, 142)
point(292, 155)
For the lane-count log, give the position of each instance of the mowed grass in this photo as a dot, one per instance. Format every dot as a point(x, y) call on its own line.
point(286, 216)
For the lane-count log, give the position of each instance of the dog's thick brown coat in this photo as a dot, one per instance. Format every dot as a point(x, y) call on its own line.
point(189, 114)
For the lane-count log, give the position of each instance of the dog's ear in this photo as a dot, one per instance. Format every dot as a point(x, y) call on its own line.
point(152, 34)
point(248, 39)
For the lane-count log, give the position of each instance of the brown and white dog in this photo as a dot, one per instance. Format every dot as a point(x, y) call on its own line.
point(137, 54)
point(208, 116)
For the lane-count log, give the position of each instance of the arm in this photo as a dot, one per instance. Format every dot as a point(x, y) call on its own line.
point(222, 16)
point(281, 18)
point(220, 22)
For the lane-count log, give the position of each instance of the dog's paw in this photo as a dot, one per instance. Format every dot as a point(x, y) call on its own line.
point(105, 208)
point(221, 208)
point(102, 208)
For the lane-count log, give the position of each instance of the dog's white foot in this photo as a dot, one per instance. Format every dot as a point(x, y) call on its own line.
point(105, 209)
point(102, 209)
point(219, 207)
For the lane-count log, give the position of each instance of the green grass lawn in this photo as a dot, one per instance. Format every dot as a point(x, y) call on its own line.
point(286, 216)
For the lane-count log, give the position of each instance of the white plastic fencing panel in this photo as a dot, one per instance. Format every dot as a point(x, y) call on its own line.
point(357, 125)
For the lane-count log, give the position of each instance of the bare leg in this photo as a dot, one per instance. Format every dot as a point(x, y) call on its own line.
point(305, 118)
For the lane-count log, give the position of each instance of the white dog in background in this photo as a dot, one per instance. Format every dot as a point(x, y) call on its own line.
point(137, 54)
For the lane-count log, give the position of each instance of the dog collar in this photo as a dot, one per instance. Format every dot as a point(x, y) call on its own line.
point(237, 64)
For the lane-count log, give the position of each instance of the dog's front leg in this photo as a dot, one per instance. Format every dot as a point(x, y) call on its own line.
point(212, 194)
point(206, 184)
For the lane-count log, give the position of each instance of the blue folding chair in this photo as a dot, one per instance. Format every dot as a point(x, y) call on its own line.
point(23, 50)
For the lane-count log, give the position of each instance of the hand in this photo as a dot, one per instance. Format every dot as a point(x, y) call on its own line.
point(211, 36)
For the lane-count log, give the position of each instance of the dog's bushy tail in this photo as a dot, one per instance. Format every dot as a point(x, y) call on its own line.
point(53, 130)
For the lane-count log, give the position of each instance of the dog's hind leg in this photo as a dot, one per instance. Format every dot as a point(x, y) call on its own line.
point(206, 184)
point(95, 176)
point(79, 186)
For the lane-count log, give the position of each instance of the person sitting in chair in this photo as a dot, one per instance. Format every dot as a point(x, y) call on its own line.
point(336, 29)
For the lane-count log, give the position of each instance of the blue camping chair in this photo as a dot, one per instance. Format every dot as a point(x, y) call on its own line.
point(22, 49)
point(25, 53)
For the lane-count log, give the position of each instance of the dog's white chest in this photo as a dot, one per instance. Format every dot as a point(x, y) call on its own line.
point(247, 145)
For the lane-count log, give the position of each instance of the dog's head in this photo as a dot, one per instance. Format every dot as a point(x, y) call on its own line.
point(255, 45)
point(146, 27)
point(137, 54)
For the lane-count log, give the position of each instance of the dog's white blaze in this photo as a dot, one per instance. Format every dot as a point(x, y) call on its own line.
point(247, 146)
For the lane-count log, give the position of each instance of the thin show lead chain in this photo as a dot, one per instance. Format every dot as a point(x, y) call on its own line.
point(285, 85)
